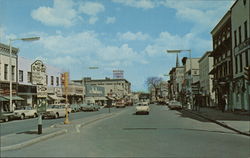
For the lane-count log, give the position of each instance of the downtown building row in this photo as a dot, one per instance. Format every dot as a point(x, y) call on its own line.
point(24, 93)
point(221, 71)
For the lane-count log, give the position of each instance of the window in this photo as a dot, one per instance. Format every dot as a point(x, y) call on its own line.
point(241, 63)
point(29, 77)
point(235, 38)
point(239, 34)
point(52, 80)
point(245, 28)
point(236, 65)
point(246, 58)
point(20, 75)
point(46, 79)
point(12, 73)
point(57, 81)
point(6, 71)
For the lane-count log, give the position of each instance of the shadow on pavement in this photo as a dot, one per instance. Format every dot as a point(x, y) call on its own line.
point(187, 114)
point(28, 132)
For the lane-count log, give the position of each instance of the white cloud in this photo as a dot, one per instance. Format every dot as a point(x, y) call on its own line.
point(61, 14)
point(91, 8)
point(110, 20)
point(93, 20)
point(145, 4)
point(133, 36)
point(168, 41)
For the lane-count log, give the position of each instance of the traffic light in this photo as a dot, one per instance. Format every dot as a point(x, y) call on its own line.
point(247, 73)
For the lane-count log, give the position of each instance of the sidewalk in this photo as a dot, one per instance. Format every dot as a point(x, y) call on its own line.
point(238, 122)
point(23, 139)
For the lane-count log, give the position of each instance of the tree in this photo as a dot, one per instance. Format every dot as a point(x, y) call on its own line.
point(154, 82)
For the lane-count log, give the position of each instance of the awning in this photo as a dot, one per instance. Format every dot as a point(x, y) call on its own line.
point(15, 97)
point(110, 98)
point(3, 99)
point(54, 97)
point(212, 71)
point(100, 98)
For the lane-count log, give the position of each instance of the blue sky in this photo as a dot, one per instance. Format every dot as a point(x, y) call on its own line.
point(132, 35)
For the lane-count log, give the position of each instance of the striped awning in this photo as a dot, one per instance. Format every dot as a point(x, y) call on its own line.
point(14, 97)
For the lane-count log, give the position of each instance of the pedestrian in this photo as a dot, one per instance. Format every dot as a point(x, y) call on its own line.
point(14, 106)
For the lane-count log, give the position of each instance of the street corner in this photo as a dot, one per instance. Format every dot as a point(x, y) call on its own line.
point(27, 138)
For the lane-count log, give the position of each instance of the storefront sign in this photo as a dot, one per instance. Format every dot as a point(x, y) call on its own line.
point(41, 91)
point(38, 70)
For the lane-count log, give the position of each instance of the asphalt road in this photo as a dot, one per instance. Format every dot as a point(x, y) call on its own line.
point(18, 126)
point(162, 133)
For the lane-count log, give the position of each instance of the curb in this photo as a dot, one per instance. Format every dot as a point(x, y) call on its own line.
point(33, 141)
point(219, 123)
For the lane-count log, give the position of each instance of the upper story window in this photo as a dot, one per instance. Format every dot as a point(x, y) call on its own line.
point(6, 71)
point(239, 34)
point(52, 80)
point(20, 75)
point(12, 73)
point(245, 29)
point(235, 38)
point(46, 79)
point(29, 77)
point(57, 81)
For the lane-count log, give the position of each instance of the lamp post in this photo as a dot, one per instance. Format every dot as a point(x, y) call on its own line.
point(10, 64)
point(191, 78)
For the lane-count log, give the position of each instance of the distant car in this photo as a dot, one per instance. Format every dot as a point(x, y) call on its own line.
point(24, 112)
point(55, 111)
point(129, 103)
point(75, 108)
point(89, 107)
point(174, 105)
point(6, 116)
point(142, 108)
point(120, 105)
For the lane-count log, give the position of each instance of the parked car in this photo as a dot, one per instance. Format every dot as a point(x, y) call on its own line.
point(120, 105)
point(6, 116)
point(25, 112)
point(129, 103)
point(55, 111)
point(142, 108)
point(75, 108)
point(89, 107)
point(174, 105)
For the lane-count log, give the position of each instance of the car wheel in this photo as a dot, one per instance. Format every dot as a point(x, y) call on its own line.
point(22, 117)
point(56, 116)
point(35, 115)
point(6, 119)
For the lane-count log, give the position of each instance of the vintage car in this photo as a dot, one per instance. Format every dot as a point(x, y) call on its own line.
point(6, 116)
point(142, 108)
point(174, 105)
point(25, 112)
point(120, 105)
point(89, 107)
point(75, 108)
point(55, 111)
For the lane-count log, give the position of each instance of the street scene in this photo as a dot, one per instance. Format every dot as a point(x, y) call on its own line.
point(125, 78)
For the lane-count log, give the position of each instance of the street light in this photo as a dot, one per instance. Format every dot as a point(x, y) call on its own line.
point(10, 64)
point(186, 50)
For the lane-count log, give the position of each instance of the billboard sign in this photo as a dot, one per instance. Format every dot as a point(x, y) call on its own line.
point(38, 71)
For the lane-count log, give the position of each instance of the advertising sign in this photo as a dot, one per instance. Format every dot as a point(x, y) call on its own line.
point(41, 91)
point(41, 105)
point(38, 70)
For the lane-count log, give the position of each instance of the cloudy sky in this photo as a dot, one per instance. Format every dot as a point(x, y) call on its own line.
point(131, 35)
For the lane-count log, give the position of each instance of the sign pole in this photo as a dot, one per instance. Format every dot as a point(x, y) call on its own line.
point(38, 71)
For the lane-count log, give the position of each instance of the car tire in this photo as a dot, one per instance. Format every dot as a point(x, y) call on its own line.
point(6, 119)
point(56, 116)
point(22, 117)
point(35, 115)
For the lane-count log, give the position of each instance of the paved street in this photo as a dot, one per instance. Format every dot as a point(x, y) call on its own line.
point(17, 126)
point(162, 133)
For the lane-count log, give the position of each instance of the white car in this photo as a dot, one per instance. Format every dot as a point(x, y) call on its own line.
point(55, 111)
point(174, 105)
point(25, 111)
point(142, 107)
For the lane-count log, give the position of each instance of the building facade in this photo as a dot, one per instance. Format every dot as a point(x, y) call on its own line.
point(240, 21)
point(206, 65)
point(222, 54)
point(5, 68)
